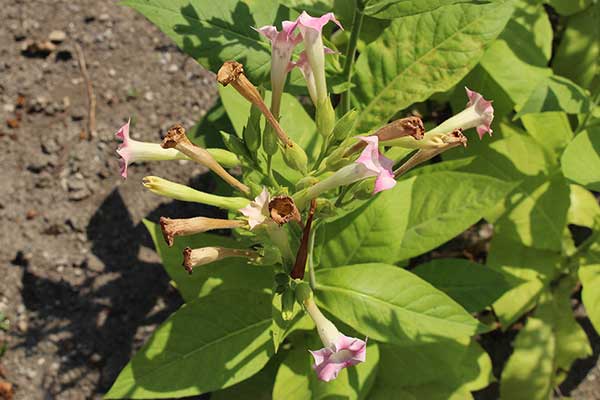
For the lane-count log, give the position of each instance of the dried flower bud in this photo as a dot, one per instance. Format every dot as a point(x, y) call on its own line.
point(206, 255)
point(190, 226)
point(283, 210)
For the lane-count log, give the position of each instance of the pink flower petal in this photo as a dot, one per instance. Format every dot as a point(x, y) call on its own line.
point(257, 211)
point(484, 108)
point(348, 352)
point(316, 23)
point(122, 150)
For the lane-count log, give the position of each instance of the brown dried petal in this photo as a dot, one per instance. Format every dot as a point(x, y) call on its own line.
point(229, 72)
point(283, 210)
point(175, 135)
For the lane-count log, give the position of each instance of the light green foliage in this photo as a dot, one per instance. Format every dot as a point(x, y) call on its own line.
point(590, 279)
point(390, 304)
point(472, 285)
point(528, 373)
point(213, 35)
point(584, 209)
point(180, 358)
point(422, 54)
point(434, 208)
point(581, 159)
point(432, 369)
point(390, 9)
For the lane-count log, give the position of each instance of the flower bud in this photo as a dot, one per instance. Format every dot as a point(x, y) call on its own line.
point(190, 226)
point(303, 292)
point(288, 300)
point(345, 125)
point(305, 182)
point(295, 157)
point(325, 116)
point(205, 255)
point(181, 192)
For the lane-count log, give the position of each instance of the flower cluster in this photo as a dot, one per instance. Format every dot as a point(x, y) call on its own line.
point(268, 210)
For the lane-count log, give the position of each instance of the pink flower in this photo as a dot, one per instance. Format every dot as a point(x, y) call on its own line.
point(339, 351)
point(306, 71)
point(479, 114)
point(484, 109)
point(310, 28)
point(282, 46)
point(258, 210)
point(344, 352)
point(133, 150)
point(378, 164)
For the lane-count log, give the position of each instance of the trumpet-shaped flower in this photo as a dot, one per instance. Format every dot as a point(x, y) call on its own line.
point(310, 28)
point(478, 114)
point(306, 71)
point(133, 150)
point(258, 209)
point(339, 351)
point(282, 46)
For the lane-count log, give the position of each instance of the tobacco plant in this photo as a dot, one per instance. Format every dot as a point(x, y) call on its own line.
point(352, 139)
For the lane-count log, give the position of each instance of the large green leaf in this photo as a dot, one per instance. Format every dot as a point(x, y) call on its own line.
point(390, 304)
point(419, 214)
point(568, 7)
point(551, 130)
point(529, 371)
point(472, 285)
point(423, 54)
point(390, 9)
point(581, 42)
point(571, 341)
point(197, 350)
point(529, 271)
point(296, 380)
point(440, 369)
point(555, 93)
point(213, 35)
point(581, 159)
point(232, 273)
point(590, 279)
point(584, 209)
point(518, 60)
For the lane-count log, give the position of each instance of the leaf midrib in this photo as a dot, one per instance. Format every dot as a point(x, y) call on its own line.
point(353, 293)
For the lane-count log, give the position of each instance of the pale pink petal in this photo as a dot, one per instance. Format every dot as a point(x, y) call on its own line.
point(328, 371)
point(258, 210)
point(268, 31)
point(123, 150)
point(370, 155)
point(348, 352)
point(316, 23)
point(385, 181)
point(484, 108)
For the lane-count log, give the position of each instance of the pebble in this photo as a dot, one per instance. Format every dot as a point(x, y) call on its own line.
point(149, 96)
point(9, 108)
point(173, 68)
point(104, 17)
point(50, 146)
point(57, 36)
point(22, 325)
point(112, 72)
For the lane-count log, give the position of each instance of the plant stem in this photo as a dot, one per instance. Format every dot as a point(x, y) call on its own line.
point(322, 154)
point(584, 124)
point(311, 265)
point(351, 55)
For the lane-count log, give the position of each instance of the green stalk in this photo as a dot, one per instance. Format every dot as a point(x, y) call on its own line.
point(351, 55)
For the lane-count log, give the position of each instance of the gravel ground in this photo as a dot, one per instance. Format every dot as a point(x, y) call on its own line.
point(80, 283)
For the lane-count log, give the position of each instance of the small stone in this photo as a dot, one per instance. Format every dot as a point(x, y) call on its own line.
point(103, 17)
point(8, 108)
point(50, 147)
point(173, 68)
point(22, 325)
point(31, 214)
point(57, 36)
point(149, 96)
point(112, 72)
point(96, 358)
point(78, 113)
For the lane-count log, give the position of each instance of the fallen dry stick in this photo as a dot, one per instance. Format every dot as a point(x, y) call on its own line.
point(90, 92)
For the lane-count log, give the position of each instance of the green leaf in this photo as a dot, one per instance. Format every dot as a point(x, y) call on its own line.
point(589, 275)
point(296, 379)
point(571, 341)
point(581, 42)
point(473, 286)
point(551, 130)
point(581, 159)
point(568, 7)
point(390, 304)
point(529, 371)
point(390, 9)
point(440, 369)
point(584, 209)
point(213, 35)
point(529, 271)
point(257, 387)
point(518, 60)
point(197, 350)
point(418, 215)
point(227, 274)
point(423, 54)
point(555, 93)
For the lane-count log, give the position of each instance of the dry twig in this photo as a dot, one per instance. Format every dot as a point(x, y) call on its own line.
point(90, 92)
